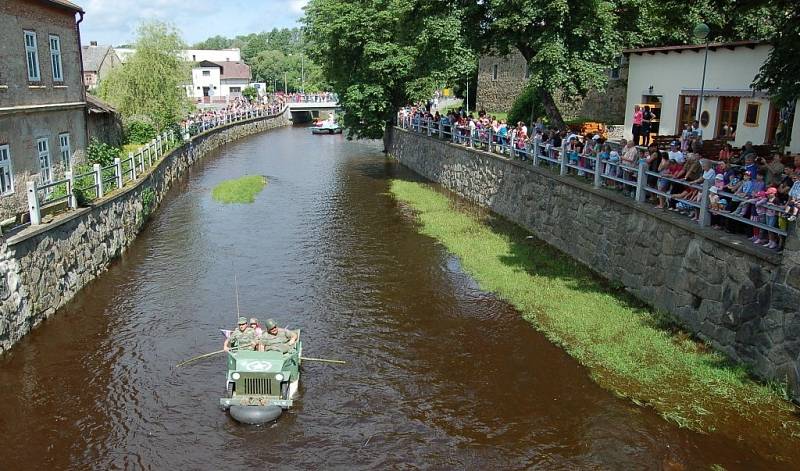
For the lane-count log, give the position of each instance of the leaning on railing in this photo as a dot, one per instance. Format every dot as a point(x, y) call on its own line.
point(603, 172)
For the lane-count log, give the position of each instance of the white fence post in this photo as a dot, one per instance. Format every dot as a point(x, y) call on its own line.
point(598, 171)
point(564, 158)
point(33, 203)
point(641, 180)
point(118, 171)
point(98, 179)
point(705, 216)
point(536, 143)
point(71, 202)
point(132, 158)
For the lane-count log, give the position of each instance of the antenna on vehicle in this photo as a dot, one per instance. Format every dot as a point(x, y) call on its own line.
point(236, 287)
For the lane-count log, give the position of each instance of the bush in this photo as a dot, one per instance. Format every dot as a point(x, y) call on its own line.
point(101, 153)
point(526, 107)
point(139, 132)
point(250, 93)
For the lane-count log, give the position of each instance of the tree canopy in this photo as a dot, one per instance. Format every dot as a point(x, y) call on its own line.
point(150, 83)
point(380, 55)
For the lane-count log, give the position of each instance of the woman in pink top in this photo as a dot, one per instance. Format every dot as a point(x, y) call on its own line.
point(638, 115)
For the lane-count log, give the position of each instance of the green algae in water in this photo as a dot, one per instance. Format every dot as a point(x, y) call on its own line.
point(239, 190)
point(614, 338)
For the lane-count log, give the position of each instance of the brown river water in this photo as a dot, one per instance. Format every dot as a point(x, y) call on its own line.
point(440, 374)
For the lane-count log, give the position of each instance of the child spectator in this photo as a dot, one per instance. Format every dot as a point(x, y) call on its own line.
point(771, 218)
point(758, 215)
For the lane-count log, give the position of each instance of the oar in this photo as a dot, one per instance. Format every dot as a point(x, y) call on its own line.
point(206, 355)
point(324, 360)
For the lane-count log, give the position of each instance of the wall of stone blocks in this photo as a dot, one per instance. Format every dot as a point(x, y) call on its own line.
point(606, 105)
point(741, 299)
point(43, 267)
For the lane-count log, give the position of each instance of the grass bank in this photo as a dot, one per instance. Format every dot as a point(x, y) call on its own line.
point(624, 345)
point(239, 190)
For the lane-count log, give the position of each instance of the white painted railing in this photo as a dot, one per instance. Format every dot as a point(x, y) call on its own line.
point(633, 180)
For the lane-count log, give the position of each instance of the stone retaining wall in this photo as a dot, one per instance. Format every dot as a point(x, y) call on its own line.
point(43, 267)
point(743, 300)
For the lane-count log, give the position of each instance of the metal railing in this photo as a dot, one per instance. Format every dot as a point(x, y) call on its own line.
point(632, 179)
point(101, 180)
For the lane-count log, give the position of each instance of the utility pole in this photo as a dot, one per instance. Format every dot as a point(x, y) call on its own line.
point(285, 87)
point(303, 73)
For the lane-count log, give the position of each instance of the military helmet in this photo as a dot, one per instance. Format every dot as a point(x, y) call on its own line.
point(253, 320)
point(242, 320)
point(270, 324)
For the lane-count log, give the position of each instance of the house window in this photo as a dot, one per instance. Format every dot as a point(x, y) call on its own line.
point(44, 160)
point(687, 111)
point(614, 73)
point(235, 89)
point(6, 179)
point(32, 55)
point(728, 117)
point(751, 114)
point(55, 58)
point(206, 73)
point(66, 152)
point(494, 72)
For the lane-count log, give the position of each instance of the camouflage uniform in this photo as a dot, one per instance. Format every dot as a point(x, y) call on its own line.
point(279, 341)
point(246, 339)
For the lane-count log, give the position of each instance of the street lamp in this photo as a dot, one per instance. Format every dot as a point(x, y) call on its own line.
point(701, 32)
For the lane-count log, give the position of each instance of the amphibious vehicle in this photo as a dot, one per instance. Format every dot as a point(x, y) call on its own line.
point(260, 385)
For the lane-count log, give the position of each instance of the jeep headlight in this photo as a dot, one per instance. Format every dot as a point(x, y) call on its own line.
point(278, 377)
point(236, 376)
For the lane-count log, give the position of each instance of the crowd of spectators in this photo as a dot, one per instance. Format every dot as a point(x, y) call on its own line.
point(211, 117)
point(746, 193)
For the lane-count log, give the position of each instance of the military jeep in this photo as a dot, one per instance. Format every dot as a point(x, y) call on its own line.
point(260, 385)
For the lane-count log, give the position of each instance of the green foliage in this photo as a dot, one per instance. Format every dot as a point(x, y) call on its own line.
point(781, 73)
point(527, 107)
point(148, 201)
point(274, 56)
point(607, 332)
point(151, 82)
point(139, 132)
point(250, 93)
point(101, 153)
point(379, 56)
point(239, 190)
point(215, 42)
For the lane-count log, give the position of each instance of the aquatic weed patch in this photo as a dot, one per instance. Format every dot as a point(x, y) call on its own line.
point(239, 190)
point(623, 343)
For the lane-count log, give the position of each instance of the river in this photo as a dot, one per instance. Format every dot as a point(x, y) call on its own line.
point(440, 374)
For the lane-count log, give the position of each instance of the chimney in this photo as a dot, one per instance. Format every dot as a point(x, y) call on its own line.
point(93, 43)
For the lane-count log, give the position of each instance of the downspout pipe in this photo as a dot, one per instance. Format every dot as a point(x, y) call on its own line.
point(83, 85)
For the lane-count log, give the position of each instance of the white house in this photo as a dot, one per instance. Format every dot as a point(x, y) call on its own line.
point(218, 81)
point(212, 55)
point(668, 79)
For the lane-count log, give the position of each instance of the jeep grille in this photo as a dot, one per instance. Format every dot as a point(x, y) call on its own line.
point(255, 386)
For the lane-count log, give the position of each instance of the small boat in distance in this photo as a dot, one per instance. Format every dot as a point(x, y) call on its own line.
point(328, 126)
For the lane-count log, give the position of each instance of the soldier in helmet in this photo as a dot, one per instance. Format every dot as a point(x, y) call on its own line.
point(243, 337)
point(274, 338)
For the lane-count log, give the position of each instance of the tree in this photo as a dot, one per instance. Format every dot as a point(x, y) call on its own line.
point(151, 83)
point(250, 93)
point(568, 44)
point(379, 56)
point(215, 42)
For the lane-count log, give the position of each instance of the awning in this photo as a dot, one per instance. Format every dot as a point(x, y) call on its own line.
point(741, 92)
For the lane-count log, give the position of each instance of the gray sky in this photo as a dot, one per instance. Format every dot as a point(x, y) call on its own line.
point(114, 21)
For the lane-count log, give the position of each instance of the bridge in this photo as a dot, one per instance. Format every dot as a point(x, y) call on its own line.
point(308, 110)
